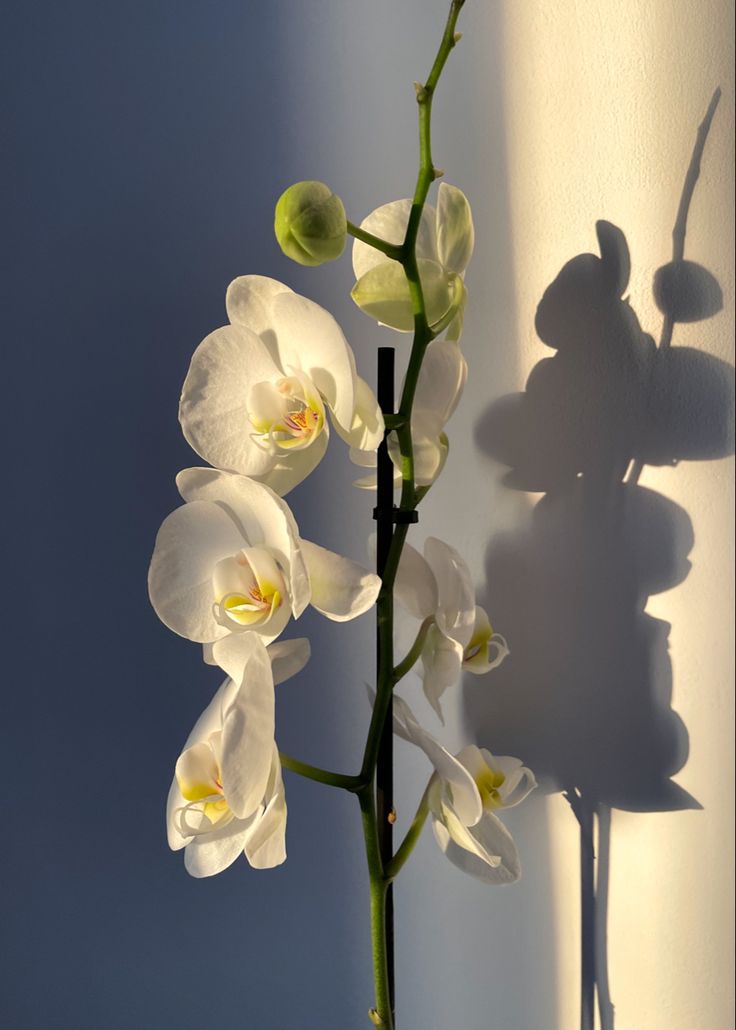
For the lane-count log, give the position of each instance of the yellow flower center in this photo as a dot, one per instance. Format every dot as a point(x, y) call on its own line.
point(260, 602)
point(288, 413)
point(488, 782)
point(202, 784)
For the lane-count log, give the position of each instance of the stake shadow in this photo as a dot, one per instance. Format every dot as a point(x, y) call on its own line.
point(585, 698)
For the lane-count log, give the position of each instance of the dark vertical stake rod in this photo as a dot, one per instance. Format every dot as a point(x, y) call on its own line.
point(384, 532)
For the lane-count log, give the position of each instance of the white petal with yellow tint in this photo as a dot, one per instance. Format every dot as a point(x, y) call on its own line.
point(429, 445)
point(288, 657)
point(445, 818)
point(265, 846)
point(415, 586)
point(383, 293)
point(309, 338)
point(456, 608)
point(389, 223)
point(291, 467)
point(248, 722)
point(367, 428)
point(211, 853)
point(442, 665)
point(518, 781)
point(466, 799)
point(341, 588)
point(191, 541)
point(485, 650)
point(455, 233)
point(249, 301)
point(214, 411)
point(262, 517)
point(490, 840)
point(206, 725)
point(197, 773)
point(442, 379)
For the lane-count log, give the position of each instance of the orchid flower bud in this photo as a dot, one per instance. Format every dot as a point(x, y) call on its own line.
point(310, 223)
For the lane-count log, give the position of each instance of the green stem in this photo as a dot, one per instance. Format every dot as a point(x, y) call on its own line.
point(313, 772)
point(383, 1016)
point(391, 250)
point(412, 836)
point(412, 655)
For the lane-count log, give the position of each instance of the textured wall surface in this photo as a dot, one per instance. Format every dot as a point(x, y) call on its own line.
point(149, 142)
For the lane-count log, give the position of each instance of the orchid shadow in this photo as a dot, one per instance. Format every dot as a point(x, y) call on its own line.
point(585, 698)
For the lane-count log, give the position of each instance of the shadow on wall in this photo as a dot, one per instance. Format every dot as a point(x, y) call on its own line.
point(586, 697)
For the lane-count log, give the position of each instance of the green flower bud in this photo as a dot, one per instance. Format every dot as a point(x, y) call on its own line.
point(310, 223)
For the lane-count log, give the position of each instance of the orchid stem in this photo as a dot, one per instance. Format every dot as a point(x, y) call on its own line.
point(412, 655)
point(389, 555)
point(391, 250)
point(412, 836)
point(313, 772)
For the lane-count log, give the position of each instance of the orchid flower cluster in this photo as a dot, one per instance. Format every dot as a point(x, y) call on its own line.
point(231, 571)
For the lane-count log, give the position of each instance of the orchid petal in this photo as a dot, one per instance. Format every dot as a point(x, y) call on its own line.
point(455, 328)
point(191, 541)
point(213, 852)
point(249, 302)
point(248, 723)
point(383, 293)
point(293, 466)
point(213, 411)
point(463, 836)
point(456, 611)
point(441, 380)
point(367, 428)
point(415, 586)
point(491, 838)
point(197, 772)
point(519, 781)
point(206, 725)
point(430, 458)
point(389, 223)
point(309, 338)
point(341, 588)
point(262, 517)
point(442, 664)
point(455, 233)
point(265, 846)
point(288, 657)
point(465, 795)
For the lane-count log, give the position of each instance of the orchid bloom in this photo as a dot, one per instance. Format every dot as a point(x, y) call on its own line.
point(256, 396)
point(463, 795)
point(444, 248)
point(439, 388)
point(438, 587)
point(231, 560)
point(227, 796)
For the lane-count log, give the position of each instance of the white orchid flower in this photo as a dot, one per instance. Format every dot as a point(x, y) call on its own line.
point(439, 388)
point(256, 396)
point(463, 796)
point(438, 587)
point(231, 560)
point(227, 797)
point(444, 248)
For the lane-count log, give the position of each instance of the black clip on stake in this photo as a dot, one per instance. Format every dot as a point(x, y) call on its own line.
point(396, 516)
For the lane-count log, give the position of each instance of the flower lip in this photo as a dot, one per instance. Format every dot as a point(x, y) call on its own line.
point(287, 413)
point(248, 587)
